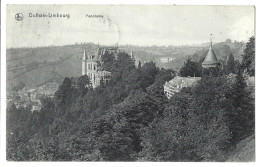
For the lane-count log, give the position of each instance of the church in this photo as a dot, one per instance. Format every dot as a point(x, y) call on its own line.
point(92, 63)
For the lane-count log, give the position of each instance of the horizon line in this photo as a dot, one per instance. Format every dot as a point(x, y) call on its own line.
point(117, 44)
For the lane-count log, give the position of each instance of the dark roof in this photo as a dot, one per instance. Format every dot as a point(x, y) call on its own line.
point(95, 55)
point(211, 58)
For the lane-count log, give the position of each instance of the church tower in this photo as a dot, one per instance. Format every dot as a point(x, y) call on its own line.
point(84, 59)
point(211, 58)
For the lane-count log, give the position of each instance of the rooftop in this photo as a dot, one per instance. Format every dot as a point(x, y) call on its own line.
point(185, 81)
point(211, 59)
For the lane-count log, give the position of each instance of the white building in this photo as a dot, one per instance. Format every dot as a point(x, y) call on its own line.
point(92, 63)
point(177, 83)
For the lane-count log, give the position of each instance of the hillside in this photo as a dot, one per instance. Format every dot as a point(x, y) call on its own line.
point(245, 151)
point(129, 118)
point(35, 66)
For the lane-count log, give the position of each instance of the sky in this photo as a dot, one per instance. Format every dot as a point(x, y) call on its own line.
point(136, 25)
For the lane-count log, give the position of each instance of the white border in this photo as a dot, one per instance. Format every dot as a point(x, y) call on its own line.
point(3, 161)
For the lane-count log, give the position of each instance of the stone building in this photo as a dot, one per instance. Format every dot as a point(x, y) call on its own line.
point(92, 63)
point(177, 83)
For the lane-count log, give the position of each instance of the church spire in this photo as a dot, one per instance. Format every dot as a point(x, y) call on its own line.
point(84, 55)
point(132, 55)
point(210, 39)
point(84, 62)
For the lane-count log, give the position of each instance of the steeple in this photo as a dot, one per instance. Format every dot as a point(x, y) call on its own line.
point(210, 40)
point(84, 62)
point(85, 55)
point(211, 58)
point(132, 55)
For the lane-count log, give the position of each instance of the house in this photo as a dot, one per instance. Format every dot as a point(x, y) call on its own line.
point(92, 63)
point(177, 83)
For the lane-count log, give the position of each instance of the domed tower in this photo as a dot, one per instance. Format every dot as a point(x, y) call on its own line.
point(211, 58)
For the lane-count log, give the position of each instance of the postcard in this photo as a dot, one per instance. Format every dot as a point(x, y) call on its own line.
point(142, 83)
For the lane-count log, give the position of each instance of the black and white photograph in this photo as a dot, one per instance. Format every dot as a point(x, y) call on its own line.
point(130, 83)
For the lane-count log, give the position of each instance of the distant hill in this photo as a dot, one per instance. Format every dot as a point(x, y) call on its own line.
point(35, 66)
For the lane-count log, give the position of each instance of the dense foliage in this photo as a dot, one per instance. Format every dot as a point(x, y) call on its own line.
point(248, 61)
point(130, 118)
point(191, 68)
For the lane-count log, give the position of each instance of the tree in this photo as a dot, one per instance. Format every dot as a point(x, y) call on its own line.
point(230, 67)
point(237, 66)
point(183, 136)
point(228, 41)
point(242, 117)
point(139, 65)
point(148, 74)
point(212, 72)
point(138, 110)
point(63, 91)
point(248, 61)
point(115, 144)
point(83, 81)
point(191, 68)
point(108, 61)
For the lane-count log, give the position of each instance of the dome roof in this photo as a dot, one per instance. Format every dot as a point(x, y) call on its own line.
point(211, 59)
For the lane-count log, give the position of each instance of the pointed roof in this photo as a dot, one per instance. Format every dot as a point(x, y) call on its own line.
point(94, 57)
point(211, 59)
point(85, 55)
point(132, 54)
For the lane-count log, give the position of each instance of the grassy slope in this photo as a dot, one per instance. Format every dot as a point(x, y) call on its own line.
point(245, 151)
point(60, 62)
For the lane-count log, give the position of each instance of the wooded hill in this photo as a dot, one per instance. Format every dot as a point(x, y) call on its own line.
point(131, 119)
point(35, 66)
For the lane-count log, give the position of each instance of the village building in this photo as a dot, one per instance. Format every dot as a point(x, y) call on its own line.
point(31, 97)
point(177, 83)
